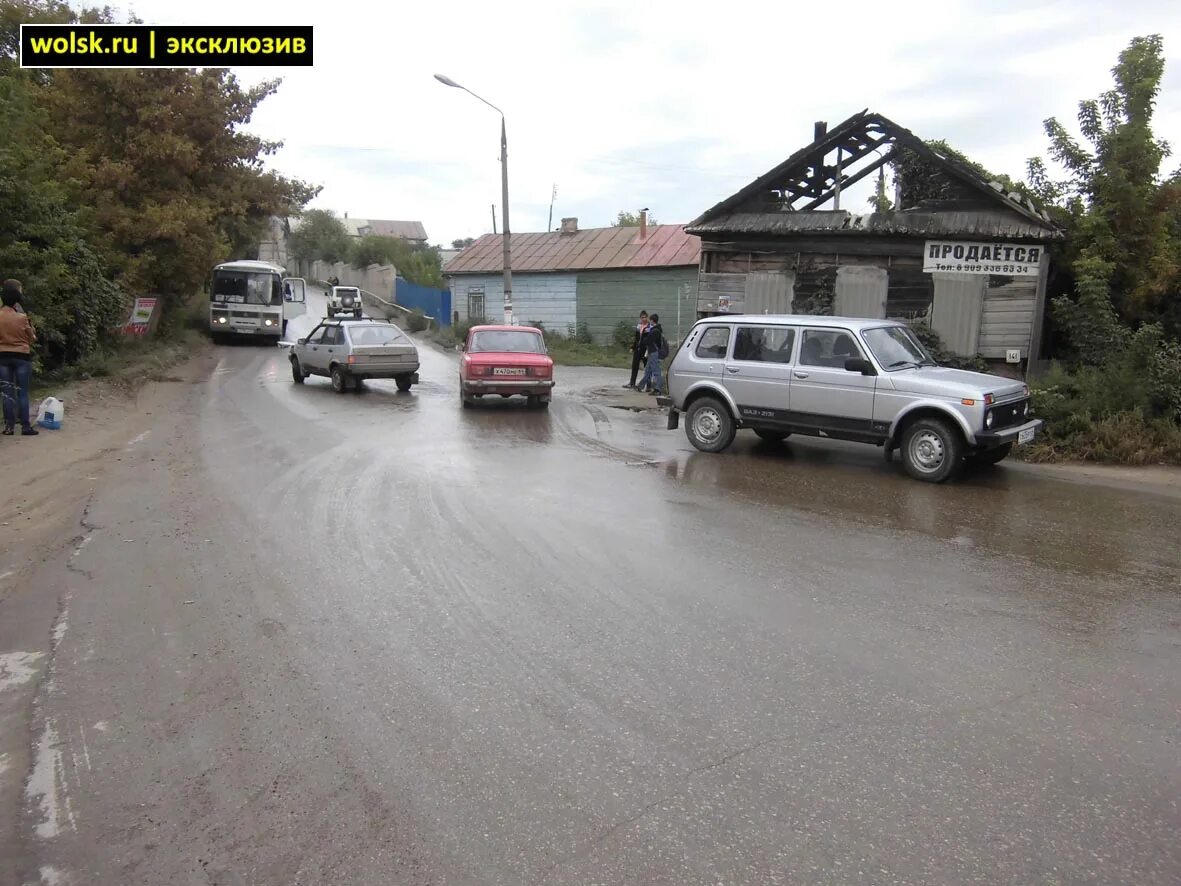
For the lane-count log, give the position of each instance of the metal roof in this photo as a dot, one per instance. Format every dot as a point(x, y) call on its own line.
point(802, 159)
point(978, 223)
point(408, 230)
point(666, 246)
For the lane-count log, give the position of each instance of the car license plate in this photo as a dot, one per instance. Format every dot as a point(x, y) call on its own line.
point(1025, 436)
point(503, 371)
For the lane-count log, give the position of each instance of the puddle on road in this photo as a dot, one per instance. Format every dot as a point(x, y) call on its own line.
point(1065, 526)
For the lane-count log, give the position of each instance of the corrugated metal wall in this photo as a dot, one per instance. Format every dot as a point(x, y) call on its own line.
point(1007, 318)
point(546, 298)
point(432, 302)
point(769, 292)
point(956, 310)
point(860, 291)
point(607, 297)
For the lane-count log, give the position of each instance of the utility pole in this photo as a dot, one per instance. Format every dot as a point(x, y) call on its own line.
point(549, 226)
point(508, 271)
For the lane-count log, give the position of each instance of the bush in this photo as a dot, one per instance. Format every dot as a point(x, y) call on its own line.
point(417, 321)
point(623, 334)
point(1164, 381)
point(931, 340)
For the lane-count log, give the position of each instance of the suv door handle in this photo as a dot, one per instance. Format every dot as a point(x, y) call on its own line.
point(800, 374)
point(732, 369)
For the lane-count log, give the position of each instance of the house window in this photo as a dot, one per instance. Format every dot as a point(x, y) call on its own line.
point(475, 303)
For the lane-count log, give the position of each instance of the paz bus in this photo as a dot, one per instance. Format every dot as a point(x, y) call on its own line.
point(253, 298)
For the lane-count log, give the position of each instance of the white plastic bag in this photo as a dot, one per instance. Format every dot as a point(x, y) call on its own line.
point(51, 413)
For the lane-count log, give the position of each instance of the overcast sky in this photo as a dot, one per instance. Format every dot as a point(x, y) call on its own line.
point(652, 103)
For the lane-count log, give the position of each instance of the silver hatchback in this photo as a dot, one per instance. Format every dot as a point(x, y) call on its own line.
point(350, 351)
point(869, 381)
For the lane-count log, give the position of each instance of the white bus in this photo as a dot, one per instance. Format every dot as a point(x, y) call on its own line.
point(254, 298)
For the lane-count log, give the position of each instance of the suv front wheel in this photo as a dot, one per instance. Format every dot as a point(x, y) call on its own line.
point(709, 425)
point(931, 449)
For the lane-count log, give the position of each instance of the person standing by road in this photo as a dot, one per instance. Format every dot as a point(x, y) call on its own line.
point(637, 350)
point(655, 347)
point(16, 360)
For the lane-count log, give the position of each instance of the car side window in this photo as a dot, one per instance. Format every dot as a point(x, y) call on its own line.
point(828, 348)
point(333, 335)
point(764, 344)
point(317, 336)
point(713, 343)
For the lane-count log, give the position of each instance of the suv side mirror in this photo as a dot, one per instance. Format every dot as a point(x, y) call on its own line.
point(856, 364)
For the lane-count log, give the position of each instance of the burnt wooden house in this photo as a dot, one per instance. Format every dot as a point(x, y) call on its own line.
point(952, 248)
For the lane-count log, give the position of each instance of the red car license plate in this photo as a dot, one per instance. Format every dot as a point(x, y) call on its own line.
point(501, 370)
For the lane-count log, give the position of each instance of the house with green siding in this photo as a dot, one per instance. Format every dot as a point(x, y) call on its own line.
point(598, 277)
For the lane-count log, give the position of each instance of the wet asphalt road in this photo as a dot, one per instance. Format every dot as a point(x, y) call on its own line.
point(374, 638)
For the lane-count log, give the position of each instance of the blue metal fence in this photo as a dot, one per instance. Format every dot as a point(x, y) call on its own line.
point(432, 302)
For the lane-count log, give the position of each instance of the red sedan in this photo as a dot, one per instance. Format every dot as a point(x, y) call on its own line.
point(505, 361)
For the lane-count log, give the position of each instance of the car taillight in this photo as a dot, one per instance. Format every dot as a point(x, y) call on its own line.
point(476, 369)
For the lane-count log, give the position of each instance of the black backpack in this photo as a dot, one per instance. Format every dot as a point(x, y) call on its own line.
point(662, 351)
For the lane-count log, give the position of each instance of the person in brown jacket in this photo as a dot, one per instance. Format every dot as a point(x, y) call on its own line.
point(16, 360)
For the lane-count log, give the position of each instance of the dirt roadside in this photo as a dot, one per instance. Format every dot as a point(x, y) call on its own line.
point(51, 476)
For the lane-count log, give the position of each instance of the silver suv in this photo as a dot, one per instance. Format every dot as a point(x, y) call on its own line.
point(870, 381)
point(344, 300)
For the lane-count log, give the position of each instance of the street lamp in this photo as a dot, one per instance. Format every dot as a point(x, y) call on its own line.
point(508, 271)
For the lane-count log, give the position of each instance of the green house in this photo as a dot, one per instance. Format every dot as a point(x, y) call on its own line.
point(599, 277)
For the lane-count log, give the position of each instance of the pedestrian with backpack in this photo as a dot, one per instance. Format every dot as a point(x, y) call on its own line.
point(657, 350)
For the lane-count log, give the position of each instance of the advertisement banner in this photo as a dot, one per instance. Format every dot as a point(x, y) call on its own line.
point(983, 257)
point(141, 316)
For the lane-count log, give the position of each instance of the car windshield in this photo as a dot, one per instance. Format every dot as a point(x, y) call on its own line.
point(896, 347)
point(504, 340)
point(377, 335)
point(247, 287)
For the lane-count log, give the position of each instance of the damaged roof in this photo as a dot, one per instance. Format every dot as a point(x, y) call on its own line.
point(864, 131)
point(602, 249)
point(926, 223)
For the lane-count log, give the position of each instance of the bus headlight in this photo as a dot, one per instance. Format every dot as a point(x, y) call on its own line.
point(268, 322)
point(221, 319)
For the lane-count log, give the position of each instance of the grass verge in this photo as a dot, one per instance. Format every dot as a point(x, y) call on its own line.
point(564, 351)
point(1126, 438)
point(128, 363)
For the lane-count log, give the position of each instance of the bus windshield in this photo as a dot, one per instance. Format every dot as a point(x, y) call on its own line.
point(247, 287)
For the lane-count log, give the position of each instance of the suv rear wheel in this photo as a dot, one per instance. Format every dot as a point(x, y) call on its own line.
point(931, 449)
point(709, 425)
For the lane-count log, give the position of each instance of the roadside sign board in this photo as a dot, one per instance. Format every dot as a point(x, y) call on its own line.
point(143, 317)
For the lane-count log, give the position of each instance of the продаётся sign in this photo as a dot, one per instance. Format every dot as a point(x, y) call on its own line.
point(969, 257)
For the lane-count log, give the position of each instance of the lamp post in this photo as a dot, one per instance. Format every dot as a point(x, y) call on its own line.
point(508, 271)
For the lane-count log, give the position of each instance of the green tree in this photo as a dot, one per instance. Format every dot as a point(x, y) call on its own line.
point(1123, 216)
point(463, 244)
point(321, 236)
point(627, 219)
point(162, 173)
point(70, 300)
point(880, 201)
point(416, 263)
